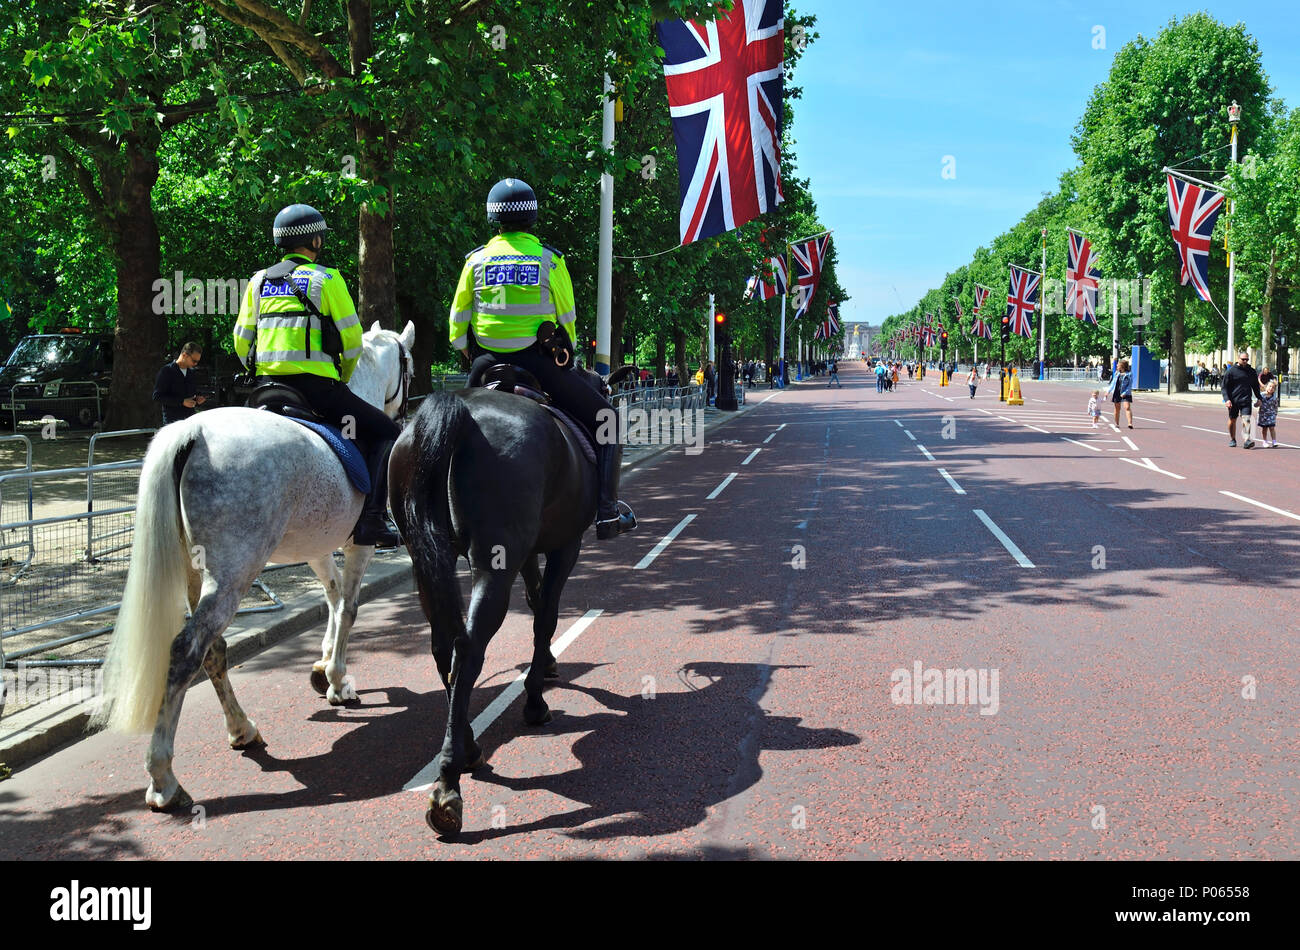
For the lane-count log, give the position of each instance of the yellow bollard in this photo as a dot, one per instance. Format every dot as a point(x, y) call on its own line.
point(1016, 398)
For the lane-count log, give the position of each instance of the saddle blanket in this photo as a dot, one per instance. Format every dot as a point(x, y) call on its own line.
point(354, 463)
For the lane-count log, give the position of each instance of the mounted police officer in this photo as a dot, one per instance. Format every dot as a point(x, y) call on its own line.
point(508, 289)
point(299, 318)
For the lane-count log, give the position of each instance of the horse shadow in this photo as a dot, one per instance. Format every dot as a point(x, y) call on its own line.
point(655, 766)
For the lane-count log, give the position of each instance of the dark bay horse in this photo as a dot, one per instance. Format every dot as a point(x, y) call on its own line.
point(491, 477)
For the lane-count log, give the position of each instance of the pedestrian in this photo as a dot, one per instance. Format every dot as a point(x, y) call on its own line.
point(880, 377)
point(1240, 384)
point(973, 380)
point(835, 375)
point(176, 387)
point(1268, 402)
point(1121, 391)
point(1094, 409)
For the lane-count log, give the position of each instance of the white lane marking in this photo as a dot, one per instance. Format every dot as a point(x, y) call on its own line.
point(1129, 443)
point(751, 456)
point(1260, 504)
point(949, 479)
point(1091, 448)
point(1147, 463)
point(769, 438)
point(725, 482)
point(1211, 431)
point(909, 435)
point(658, 549)
point(1035, 428)
point(926, 452)
point(1113, 427)
point(1145, 419)
point(1007, 543)
point(1040, 400)
point(773, 396)
point(1009, 419)
point(425, 778)
point(897, 423)
point(985, 411)
point(782, 426)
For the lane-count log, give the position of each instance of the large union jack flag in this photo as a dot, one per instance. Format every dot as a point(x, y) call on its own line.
point(831, 325)
point(809, 257)
point(1081, 276)
point(725, 91)
point(763, 288)
point(1022, 295)
point(1192, 213)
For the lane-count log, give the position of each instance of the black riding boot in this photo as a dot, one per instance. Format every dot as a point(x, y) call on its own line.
point(613, 517)
point(373, 526)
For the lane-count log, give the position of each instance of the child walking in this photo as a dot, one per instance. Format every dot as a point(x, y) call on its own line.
point(1267, 404)
point(1094, 408)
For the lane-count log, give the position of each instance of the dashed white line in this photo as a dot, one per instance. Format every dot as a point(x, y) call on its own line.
point(725, 482)
point(769, 438)
point(1147, 463)
point(1040, 400)
point(1211, 431)
point(1007, 543)
point(773, 396)
point(1259, 504)
point(1035, 428)
point(1129, 443)
point(909, 435)
point(897, 423)
point(658, 549)
point(985, 411)
point(751, 456)
point(425, 778)
point(949, 479)
point(926, 452)
point(1091, 448)
point(1145, 419)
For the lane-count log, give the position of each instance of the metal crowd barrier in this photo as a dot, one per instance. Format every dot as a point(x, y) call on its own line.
point(77, 403)
point(61, 570)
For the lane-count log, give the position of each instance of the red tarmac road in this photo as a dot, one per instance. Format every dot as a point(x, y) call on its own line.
point(733, 698)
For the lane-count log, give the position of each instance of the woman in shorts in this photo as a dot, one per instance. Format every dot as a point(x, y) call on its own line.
point(1121, 391)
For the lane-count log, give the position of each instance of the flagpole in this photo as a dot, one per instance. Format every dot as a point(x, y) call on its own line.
point(1042, 317)
point(605, 263)
point(713, 336)
point(780, 356)
point(1234, 116)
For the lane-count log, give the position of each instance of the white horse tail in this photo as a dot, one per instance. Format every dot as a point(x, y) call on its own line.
point(154, 602)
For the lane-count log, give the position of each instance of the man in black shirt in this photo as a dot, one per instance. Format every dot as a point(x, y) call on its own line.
point(176, 388)
point(1240, 387)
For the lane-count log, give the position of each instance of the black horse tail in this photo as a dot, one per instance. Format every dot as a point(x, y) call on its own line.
point(436, 433)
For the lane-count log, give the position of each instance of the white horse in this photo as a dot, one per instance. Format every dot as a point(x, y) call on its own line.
point(222, 494)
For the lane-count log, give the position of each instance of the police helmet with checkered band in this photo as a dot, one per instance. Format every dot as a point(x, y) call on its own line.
point(512, 204)
point(296, 225)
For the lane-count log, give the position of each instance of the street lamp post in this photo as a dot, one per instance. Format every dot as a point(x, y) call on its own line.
point(1234, 117)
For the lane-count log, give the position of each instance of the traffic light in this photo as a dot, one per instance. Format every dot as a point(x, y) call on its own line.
point(943, 338)
point(1006, 329)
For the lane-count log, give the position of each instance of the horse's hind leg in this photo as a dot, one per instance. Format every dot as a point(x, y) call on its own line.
point(211, 616)
point(240, 730)
point(487, 610)
point(343, 614)
point(559, 564)
point(331, 582)
point(441, 640)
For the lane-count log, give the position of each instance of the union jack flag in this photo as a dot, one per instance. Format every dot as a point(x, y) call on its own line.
point(1021, 298)
point(764, 289)
point(927, 332)
point(1192, 213)
point(725, 96)
point(831, 325)
point(981, 328)
point(809, 256)
point(1081, 276)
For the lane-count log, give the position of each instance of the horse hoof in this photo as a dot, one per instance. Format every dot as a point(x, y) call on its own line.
point(320, 682)
point(254, 742)
point(480, 760)
point(552, 670)
point(179, 801)
point(445, 811)
point(532, 719)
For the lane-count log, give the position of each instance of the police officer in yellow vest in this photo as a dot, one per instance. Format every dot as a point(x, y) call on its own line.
point(507, 290)
point(300, 320)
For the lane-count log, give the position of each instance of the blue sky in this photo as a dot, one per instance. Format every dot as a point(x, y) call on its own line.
point(890, 89)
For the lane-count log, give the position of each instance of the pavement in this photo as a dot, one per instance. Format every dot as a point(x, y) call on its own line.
point(896, 626)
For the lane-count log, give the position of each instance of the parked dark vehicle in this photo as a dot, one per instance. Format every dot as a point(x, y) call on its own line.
point(65, 375)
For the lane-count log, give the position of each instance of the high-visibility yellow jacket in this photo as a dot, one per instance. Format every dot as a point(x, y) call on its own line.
point(271, 314)
point(507, 289)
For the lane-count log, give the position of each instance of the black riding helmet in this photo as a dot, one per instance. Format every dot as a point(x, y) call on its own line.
point(512, 204)
point(296, 225)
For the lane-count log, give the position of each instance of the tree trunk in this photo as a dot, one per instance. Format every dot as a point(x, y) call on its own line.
point(1266, 314)
point(679, 353)
point(1178, 348)
point(140, 338)
point(661, 355)
point(620, 287)
point(376, 284)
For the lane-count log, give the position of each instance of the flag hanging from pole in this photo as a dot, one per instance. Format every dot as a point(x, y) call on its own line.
point(1081, 279)
point(726, 82)
point(831, 325)
point(1022, 296)
point(765, 288)
point(1192, 213)
point(809, 256)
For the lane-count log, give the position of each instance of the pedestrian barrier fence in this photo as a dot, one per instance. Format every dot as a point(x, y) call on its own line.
point(77, 403)
point(63, 569)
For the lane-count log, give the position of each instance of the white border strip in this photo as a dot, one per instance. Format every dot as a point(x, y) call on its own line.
point(751, 456)
point(1091, 448)
point(1259, 504)
point(1007, 543)
point(926, 452)
point(725, 482)
point(658, 549)
point(949, 479)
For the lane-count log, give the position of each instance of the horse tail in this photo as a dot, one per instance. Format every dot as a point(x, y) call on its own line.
point(436, 433)
point(154, 601)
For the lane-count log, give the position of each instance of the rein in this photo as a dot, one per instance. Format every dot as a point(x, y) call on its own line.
point(402, 388)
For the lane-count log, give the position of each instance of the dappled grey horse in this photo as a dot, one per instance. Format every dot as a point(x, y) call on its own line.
point(222, 494)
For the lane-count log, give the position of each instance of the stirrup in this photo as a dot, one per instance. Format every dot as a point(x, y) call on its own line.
point(610, 527)
point(373, 528)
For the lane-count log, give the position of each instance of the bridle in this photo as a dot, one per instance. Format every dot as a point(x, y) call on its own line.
point(403, 388)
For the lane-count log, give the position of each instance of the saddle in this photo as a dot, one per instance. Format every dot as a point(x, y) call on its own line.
point(288, 402)
point(510, 379)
